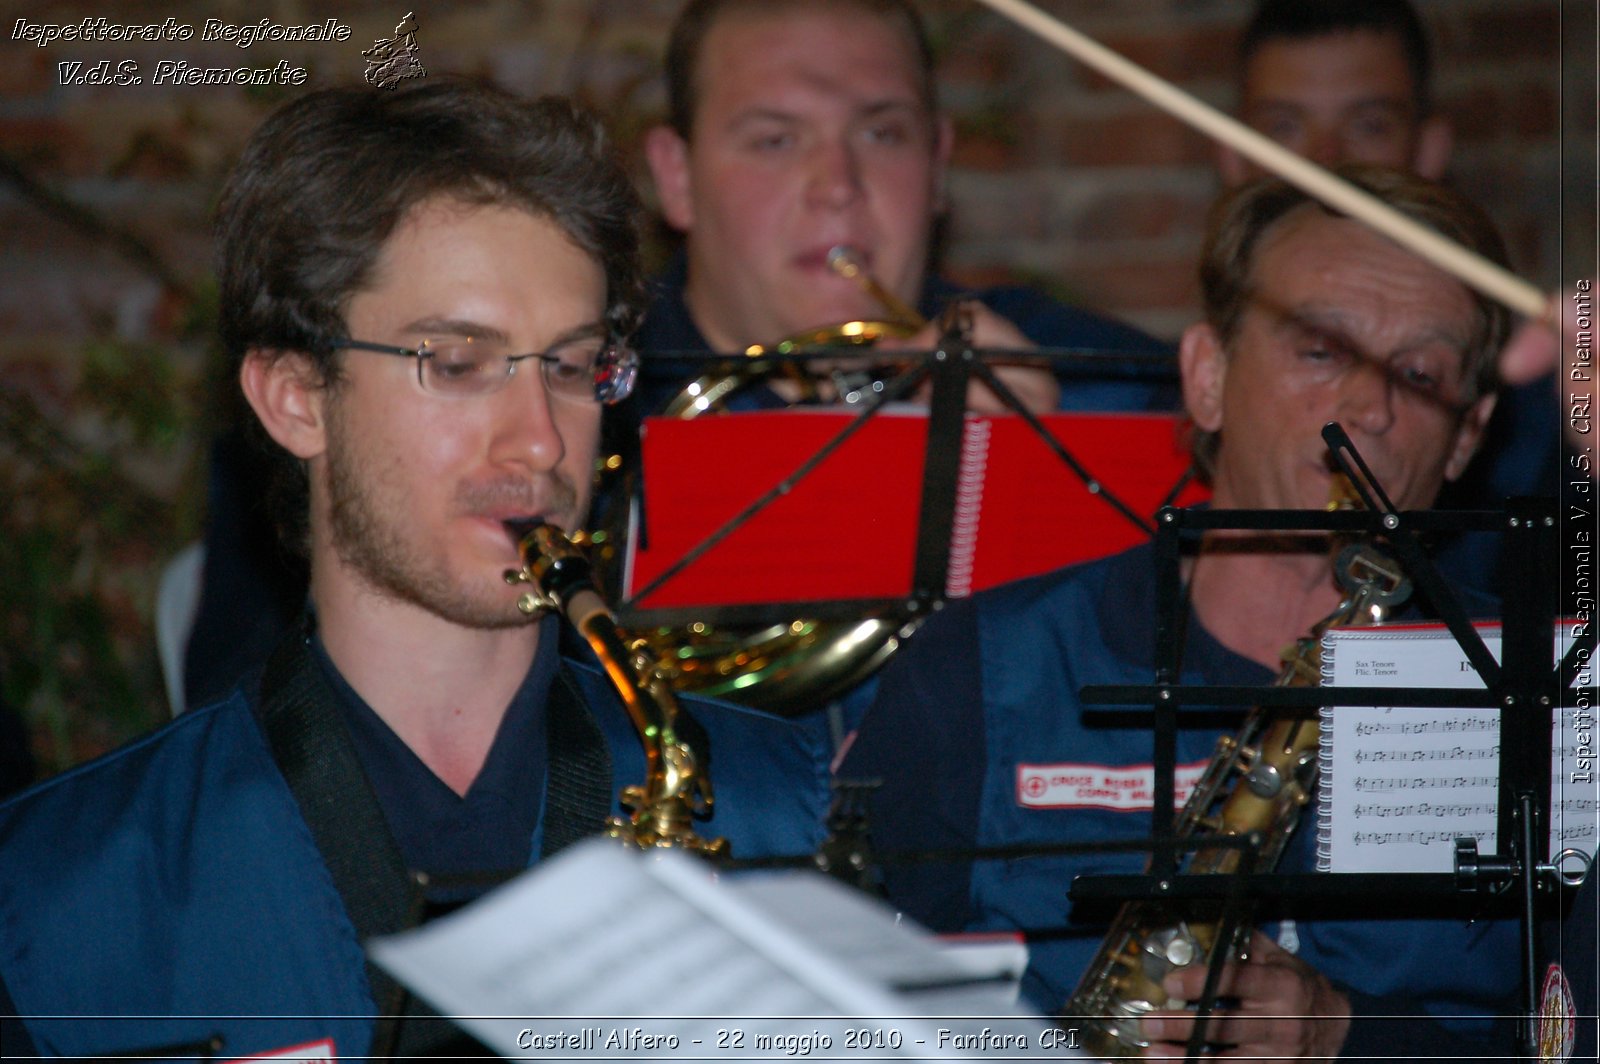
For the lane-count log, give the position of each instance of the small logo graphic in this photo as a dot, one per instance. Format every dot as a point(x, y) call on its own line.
point(1119, 788)
point(1557, 1026)
point(392, 60)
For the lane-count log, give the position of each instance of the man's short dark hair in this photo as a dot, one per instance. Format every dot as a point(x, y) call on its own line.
point(1300, 20)
point(328, 178)
point(699, 17)
point(1242, 218)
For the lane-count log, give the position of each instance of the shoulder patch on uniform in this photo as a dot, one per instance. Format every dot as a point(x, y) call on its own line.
point(1121, 788)
point(1557, 1011)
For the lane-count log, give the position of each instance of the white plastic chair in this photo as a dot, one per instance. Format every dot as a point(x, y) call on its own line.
point(177, 603)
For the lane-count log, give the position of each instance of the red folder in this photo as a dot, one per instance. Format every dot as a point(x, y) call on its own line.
point(848, 529)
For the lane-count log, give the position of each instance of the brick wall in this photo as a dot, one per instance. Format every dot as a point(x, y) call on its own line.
point(1071, 178)
point(1060, 179)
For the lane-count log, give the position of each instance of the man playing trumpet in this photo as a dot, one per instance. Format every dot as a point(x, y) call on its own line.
point(796, 128)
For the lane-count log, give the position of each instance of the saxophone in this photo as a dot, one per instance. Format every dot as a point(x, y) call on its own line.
point(1259, 780)
point(676, 791)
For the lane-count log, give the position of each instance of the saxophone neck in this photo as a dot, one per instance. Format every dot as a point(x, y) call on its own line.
point(1371, 582)
point(560, 578)
point(676, 790)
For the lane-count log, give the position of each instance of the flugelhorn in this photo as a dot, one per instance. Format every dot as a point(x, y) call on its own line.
point(676, 791)
point(796, 665)
point(709, 392)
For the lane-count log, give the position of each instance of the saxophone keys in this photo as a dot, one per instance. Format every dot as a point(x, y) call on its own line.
point(1171, 947)
point(1182, 952)
point(1264, 780)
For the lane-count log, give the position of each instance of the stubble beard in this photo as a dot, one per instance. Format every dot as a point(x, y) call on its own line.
point(367, 523)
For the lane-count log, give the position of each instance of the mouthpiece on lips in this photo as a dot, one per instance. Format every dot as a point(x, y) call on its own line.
point(844, 261)
point(552, 563)
point(520, 528)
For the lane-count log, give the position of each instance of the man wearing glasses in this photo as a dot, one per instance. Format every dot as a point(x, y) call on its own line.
point(425, 294)
point(980, 735)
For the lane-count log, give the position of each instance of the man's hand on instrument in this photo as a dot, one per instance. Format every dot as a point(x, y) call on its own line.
point(1278, 1008)
point(1035, 386)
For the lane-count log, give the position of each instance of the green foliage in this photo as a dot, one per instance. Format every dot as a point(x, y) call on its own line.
point(103, 488)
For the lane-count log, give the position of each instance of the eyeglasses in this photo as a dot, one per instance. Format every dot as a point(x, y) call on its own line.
point(589, 369)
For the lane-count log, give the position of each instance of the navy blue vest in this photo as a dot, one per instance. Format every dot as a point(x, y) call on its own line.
point(172, 890)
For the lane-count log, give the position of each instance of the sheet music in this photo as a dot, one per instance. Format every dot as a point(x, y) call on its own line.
point(868, 492)
point(1400, 785)
point(605, 950)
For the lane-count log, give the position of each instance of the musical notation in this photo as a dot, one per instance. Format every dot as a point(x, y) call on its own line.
point(1419, 783)
point(1571, 832)
point(1416, 838)
point(1399, 785)
point(1453, 753)
point(1454, 726)
point(1433, 809)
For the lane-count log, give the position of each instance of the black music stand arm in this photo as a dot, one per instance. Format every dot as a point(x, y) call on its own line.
point(1528, 681)
point(1093, 485)
point(1525, 681)
point(1169, 670)
point(1418, 565)
point(1528, 695)
point(900, 386)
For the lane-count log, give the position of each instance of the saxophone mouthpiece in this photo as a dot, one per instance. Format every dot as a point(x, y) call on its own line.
point(520, 528)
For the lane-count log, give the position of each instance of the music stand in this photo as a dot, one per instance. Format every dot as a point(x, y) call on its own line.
point(949, 368)
point(1526, 682)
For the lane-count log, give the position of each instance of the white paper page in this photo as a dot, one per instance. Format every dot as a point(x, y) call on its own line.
point(605, 949)
point(854, 928)
point(999, 959)
point(1400, 785)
